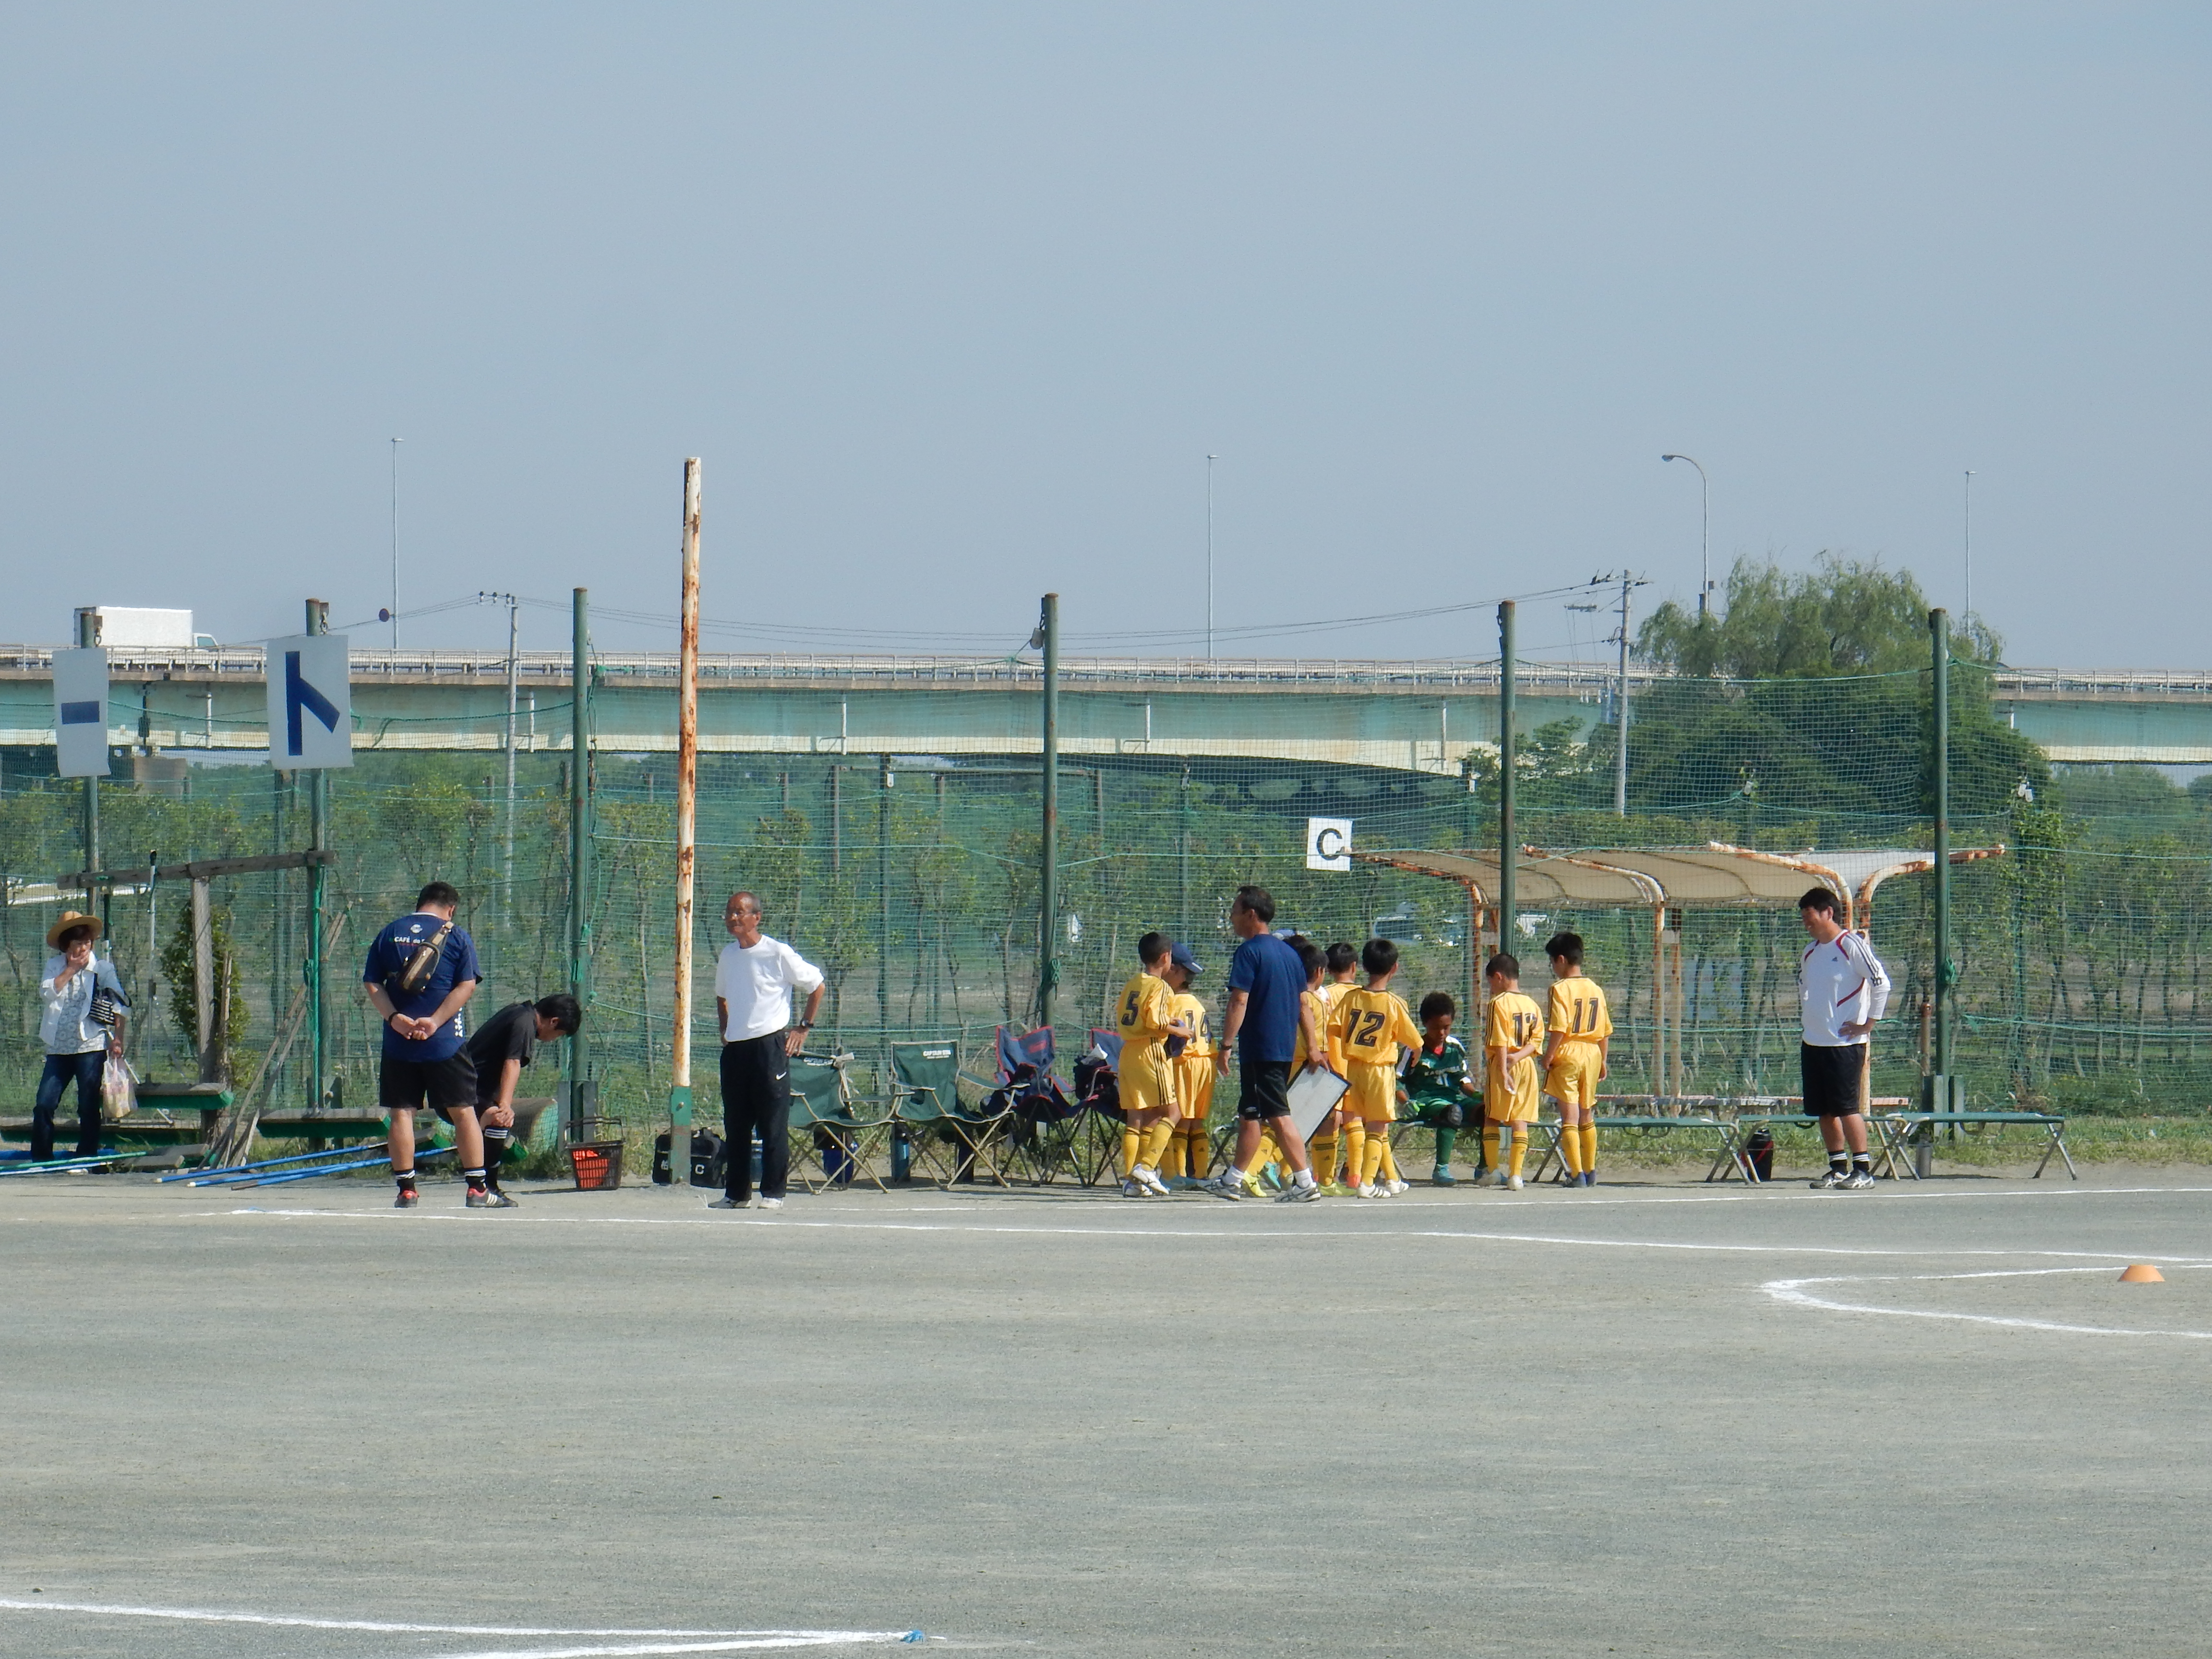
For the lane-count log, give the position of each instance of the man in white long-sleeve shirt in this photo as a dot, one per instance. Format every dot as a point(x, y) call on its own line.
point(1843, 989)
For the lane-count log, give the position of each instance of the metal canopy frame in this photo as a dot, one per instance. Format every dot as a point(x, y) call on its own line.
point(1716, 876)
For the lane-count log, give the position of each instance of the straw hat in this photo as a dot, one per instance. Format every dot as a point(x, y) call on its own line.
point(71, 919)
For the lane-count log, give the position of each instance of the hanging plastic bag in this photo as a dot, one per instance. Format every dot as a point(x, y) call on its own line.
point(118, 1090)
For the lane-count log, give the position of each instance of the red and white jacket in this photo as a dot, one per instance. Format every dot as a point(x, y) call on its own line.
point(1840, 984)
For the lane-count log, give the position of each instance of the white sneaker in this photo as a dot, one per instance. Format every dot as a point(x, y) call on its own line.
point(1134, 1188)
point(1371, 1192)
point(1392, 1189)
point(1513, 1182)
point(1150, 1180)
point(1503, 1179)
point(1225, 1186)
point(769, 1204)
point(731, 1204)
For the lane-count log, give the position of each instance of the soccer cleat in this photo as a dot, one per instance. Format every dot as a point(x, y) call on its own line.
point(1253, 1188)
point(479, 1197)
point(1295, 1194)
point(1150, 1180)
point(1337, 1190)
point(1589, 1177)
point(1182, 1184)
point(1829, 1180)
point(1392, 1189)
point(1134, 1188)
point(1442, 1176)
point(1269, 1178)
point(501, 1201)
point(1858, 1181)
point(769, 1204)
point(1370, 1191)
point(1513, 1183)
point(1223, 1187)
point(408, 1199)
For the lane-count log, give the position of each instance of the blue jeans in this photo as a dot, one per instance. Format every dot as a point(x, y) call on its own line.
point(60, 1068)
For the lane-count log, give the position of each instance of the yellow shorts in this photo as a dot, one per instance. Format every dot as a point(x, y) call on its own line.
point(1373, 1095)
point(1194, 1088)
point(1504, 1103)
point(1145, 1080)
point(1572, 1080)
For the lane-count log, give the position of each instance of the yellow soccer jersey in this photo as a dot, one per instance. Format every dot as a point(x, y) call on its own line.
point(1372, 1025)
point(1579, 1010)
point(1515, 1022)
point(1186, 1007)
point(1315, 1004)
point(1145, 1014)
point(1331, 992)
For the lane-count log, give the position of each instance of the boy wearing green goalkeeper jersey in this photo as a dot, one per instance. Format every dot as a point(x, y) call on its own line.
point(1436, 1086)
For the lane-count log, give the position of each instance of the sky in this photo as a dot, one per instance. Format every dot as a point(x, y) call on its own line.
point(954, 301)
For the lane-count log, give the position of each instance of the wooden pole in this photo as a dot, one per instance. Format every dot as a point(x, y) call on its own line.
point(687, 833)
point(1048, 885)
point(203, 984)
point(580, 857)
point(1509, 844)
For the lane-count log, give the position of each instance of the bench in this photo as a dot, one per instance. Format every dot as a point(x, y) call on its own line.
point(1900, 1131)
point(1722, 1131)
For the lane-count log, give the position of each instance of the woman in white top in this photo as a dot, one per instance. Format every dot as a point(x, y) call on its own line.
point(77, 1044)
point(753, 979)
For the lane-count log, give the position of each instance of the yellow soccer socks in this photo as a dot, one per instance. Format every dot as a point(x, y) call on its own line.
point(1355, 1154)
point(1571, 1147)
point(1589, 1148)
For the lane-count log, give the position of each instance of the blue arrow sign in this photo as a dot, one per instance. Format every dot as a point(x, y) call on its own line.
point(299, 694)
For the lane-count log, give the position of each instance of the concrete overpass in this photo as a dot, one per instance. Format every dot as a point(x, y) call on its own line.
point(1406, 716)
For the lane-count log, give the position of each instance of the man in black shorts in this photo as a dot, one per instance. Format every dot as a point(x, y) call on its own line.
point(1843, 989)
point(426, 1060)
point(500, 1047)
point(1266, 982)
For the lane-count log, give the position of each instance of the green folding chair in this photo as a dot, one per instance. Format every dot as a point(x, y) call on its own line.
point(835, 1136)
point(950, 1141)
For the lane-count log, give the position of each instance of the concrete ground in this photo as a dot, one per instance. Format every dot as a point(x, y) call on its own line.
point(1650, 1418)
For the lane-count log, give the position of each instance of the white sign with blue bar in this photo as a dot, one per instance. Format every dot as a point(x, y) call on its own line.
point(310, 703)
point(80, 713)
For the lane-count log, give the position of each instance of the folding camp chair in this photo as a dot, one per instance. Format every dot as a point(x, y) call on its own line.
point(835, 1135)
point(1044, 1136)
point(1100, 1148)
point(950, 1141)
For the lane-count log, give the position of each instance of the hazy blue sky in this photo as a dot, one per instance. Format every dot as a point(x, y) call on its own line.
point(954, 300)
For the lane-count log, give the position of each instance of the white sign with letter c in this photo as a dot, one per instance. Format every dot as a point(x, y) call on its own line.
point(1328, 843)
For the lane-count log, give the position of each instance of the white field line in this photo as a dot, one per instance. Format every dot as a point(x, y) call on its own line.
point(714, 1641)
point(1230, 1235)
point(1791, 1290)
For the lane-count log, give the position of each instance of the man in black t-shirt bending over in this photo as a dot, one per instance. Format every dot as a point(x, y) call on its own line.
point(500, 1049)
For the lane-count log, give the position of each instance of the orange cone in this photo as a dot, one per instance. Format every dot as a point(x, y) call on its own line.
point(2143, 1274)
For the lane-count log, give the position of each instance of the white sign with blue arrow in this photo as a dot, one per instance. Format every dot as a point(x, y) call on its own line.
point(310, 703)
point(80, 713)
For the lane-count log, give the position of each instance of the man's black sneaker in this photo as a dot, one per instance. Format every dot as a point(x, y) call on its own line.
point(1858, 1181)
point(479, 1197)
point(1831, 1181)
point(407, 1199)
point(499, 1200)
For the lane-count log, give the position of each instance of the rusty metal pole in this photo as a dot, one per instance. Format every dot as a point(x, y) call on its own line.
point(687, 833)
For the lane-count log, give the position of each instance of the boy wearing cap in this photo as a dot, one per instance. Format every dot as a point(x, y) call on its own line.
point(1190, 1154)
point(77, 1040)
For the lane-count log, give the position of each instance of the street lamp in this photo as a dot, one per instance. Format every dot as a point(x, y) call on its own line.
point(1704, 534)
point(1210, 460)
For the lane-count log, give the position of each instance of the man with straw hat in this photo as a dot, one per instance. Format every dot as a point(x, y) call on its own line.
point(80, 1023)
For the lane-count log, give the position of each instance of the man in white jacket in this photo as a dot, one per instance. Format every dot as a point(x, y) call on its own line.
point(78, 1043)
point(1842, 988)
point(753, 982)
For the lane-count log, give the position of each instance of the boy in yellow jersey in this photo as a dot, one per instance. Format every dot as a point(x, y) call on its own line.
point(1372, 1023)
point(1190, 1155)
point(1147, 1021)
point(1512, 1088)
point(1313, 1017)
point(1575, 1054)
point(1339, 963)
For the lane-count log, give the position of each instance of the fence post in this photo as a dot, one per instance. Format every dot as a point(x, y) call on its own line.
point(687, 830)
point(1943, 1097)
point(580, 856)
point(318, 838)
point(87, 634)
point(1048, 898)
point(1509, 845)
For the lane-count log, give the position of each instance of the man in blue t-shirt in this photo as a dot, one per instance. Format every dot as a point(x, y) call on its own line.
point(1266, 980)
point(425, 1057)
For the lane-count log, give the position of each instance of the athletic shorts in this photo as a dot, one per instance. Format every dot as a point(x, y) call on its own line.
point(1373, 1095)
point(1513, 1104)
point(405, 1085)
point(1267, 1091)
point(1572, 1080)
point(1194, 1087)
point(1146, 1083)
point(1832, 1078)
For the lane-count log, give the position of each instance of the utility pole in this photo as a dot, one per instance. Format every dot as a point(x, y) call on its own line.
point(88, 636)
point(1945, 1096)
point(687, 829)
point(1629, 582)
point(1509, 844)
point(1047, 638)
point(395, 544)
point(1704, 534)
point(580, 856)
point(1210, 460)
point(1966, 616)
point(318, 839)
point(506, 837)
